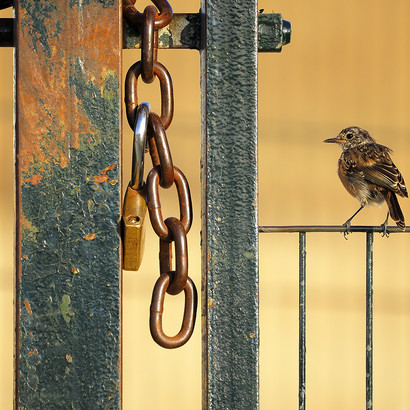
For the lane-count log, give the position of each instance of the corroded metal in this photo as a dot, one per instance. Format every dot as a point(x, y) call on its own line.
point(161, 20)
point(157, 309)
point(68, 76)
point(131, 92)
point(273, 32)
point(154, 202)
point(230, 300)
point(184, 31)
point(181, 256)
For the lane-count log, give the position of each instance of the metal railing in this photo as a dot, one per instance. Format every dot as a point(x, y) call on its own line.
point(302, 230)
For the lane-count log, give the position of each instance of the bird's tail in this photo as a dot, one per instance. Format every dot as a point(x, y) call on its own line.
point(395, 210)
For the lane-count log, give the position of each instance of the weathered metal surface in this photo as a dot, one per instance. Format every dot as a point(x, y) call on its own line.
point(273, 32)
point(369, 320)
point(68, 344)
point(229, 205)
point(302, 320)
point(184, 31)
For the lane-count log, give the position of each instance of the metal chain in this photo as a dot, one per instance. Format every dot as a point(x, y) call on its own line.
point(163, 174)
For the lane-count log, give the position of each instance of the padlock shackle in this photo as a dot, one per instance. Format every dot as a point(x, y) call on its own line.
point(139, 144)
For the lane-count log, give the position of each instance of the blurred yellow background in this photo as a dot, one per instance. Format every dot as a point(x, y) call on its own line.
point(348, 64)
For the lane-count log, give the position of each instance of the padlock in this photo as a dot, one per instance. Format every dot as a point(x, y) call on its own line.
point(135, 205)
point(134, 212)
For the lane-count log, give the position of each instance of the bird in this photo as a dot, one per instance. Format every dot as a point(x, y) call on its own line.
point(369, 175)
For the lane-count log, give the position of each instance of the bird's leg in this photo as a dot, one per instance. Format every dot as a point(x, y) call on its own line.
point(347, 224)
point(384, 226)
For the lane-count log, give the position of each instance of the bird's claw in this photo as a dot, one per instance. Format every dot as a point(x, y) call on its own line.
point(384, 230)
point(346, 232)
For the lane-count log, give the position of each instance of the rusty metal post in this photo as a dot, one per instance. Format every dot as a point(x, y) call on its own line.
point(68, 106)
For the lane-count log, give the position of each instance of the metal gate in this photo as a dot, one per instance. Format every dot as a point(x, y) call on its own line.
point(69, 201)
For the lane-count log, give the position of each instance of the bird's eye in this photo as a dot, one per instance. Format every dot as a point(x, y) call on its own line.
point(349, 136)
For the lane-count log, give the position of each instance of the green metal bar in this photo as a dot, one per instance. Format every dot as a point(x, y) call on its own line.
point(230, 325)
point(6, 32)
point(328, 228)
point(68, 300)
point(184, 31)
point(302, 320)
point(369, 320)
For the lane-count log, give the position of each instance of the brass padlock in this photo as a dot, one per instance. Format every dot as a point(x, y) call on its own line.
point(134, 212)
point(135, 205)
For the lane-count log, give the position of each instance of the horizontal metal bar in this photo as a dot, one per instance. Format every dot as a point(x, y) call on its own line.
point(6, 32)
point(184, 32)
point(328, 228)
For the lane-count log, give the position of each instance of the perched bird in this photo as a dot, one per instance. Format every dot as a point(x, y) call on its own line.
point(368, 173)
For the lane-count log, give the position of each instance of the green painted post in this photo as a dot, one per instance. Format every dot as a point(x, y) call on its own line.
point(229, 205)
point(68, 301)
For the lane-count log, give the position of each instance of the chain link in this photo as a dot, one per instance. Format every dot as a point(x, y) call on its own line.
point(137, 18)
point(167, 94)
point(163, 174)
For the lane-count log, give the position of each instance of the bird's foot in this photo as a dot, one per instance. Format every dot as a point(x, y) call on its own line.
point(385, 232)
point(346, 225)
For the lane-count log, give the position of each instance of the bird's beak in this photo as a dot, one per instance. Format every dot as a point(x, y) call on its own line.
point(337, 139)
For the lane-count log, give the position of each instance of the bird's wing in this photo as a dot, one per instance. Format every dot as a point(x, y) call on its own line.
point(379, 169)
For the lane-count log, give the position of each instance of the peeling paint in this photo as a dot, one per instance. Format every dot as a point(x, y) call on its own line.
point(68, 130)
point(28, 307)
point(66, 309)
point(109, 168)
point(100, 179)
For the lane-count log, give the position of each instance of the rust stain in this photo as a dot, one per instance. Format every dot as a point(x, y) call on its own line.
point(34, 351)
point(28, 307)
point(252, 335)
point(114, 181)
point(109, 168)
point(99, 179)
point(47, 142)
point(35, 179)
point(211, 303)
point(69, 358)
point(89, 237)
point(74, 271)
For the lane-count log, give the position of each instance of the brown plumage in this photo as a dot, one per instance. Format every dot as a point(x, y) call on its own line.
point(368, 173)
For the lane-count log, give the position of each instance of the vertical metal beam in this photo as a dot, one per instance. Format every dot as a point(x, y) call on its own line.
point(229, 205)
point(302, 320)
point(369, 320)
point(68, 334)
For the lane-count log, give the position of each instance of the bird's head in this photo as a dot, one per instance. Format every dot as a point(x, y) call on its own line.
point(352, 137)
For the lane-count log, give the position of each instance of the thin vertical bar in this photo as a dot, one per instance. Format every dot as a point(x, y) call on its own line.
point(302, 320)
point(369, 320)
point(230, 309)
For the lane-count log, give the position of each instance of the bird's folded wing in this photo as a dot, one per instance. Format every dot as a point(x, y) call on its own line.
point(384, 173)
